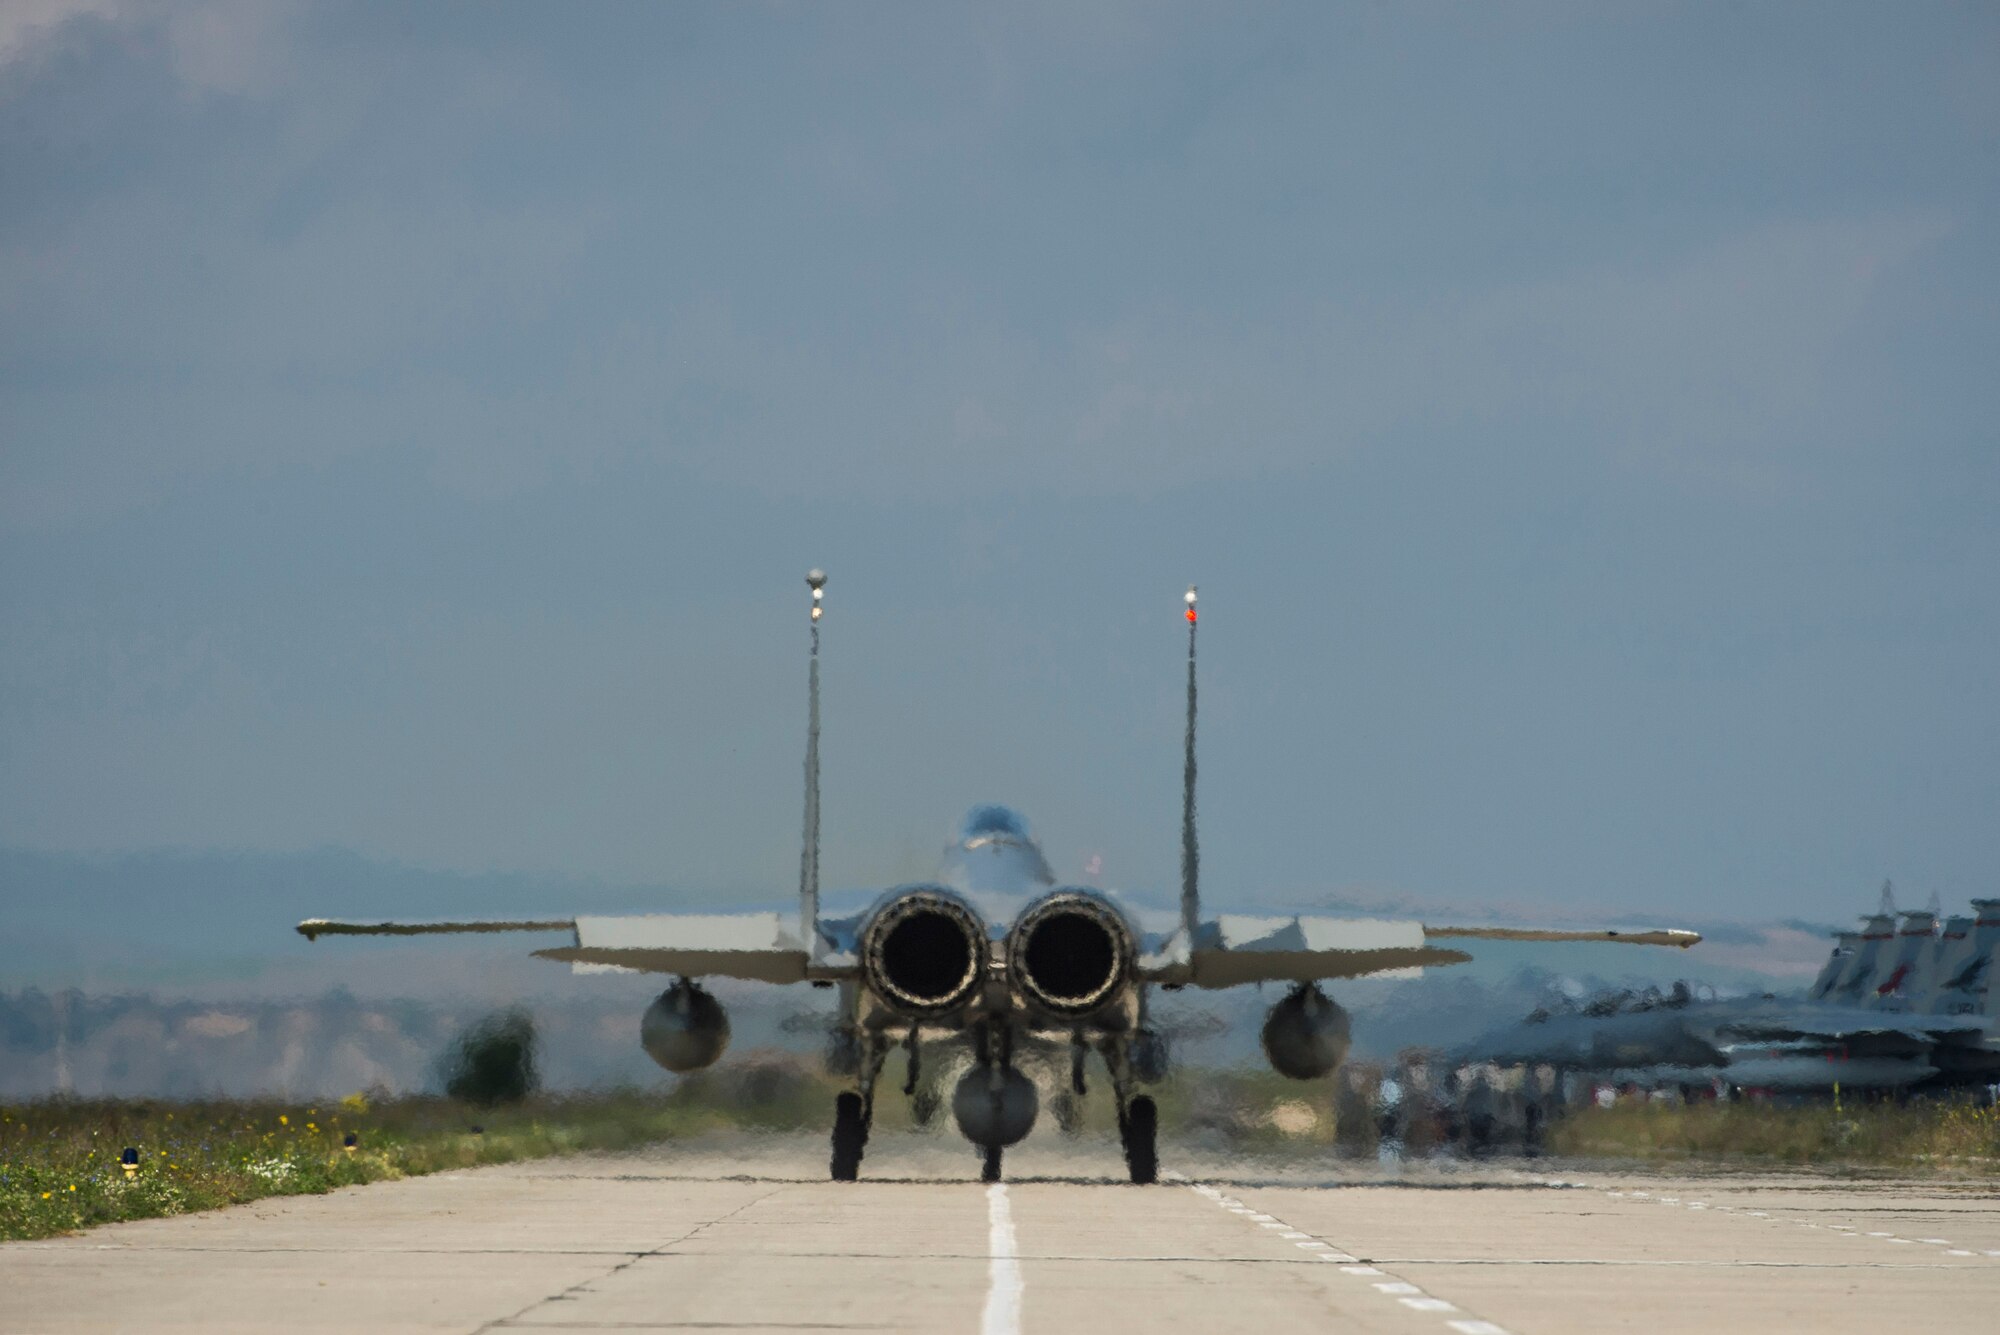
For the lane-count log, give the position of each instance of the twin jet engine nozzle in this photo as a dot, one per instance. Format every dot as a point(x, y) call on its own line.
point(1070, 952)
point(925, 952)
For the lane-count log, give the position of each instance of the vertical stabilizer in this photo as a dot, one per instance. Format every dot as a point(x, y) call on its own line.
point(809, 846)
point(1190, 846)
point(1898, 968)
point(1860, 972)
point(1977, 976)
point(1948, 982)
point(1844, 946)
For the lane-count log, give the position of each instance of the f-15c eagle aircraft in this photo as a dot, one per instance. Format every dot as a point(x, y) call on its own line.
point(995, 956)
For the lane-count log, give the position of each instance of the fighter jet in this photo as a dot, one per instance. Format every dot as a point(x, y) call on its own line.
point(1893, 1007)
point(995, 958)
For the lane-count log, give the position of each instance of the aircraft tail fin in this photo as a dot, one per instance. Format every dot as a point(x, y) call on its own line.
point(1836, 964)
point(809, 843)
point(1190, 846)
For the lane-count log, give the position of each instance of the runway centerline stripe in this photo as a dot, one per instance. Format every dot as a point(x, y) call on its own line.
point(1003, 1272)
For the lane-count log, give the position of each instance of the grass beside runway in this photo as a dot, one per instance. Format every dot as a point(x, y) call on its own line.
point(60, 1164)
point(1938, 1135)
point(60, 1169)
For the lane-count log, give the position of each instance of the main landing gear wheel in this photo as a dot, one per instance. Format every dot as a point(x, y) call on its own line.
point(850, 1137)
point(989, 1171)
point(1140, 1132)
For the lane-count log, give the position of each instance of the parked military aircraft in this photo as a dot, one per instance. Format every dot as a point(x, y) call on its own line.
point(995, 955)
point(1904, 1001)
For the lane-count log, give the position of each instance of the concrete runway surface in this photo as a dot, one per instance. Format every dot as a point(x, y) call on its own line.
point(745, 1233)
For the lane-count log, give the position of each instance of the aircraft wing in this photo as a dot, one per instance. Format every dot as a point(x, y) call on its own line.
point(762, 947)
point(1664, 1037)
point(1797, 1022)
point(312, 929)
point(1631, 936)
point(1236, 948)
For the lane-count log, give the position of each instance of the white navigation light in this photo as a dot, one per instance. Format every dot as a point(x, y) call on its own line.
point(1190, 595)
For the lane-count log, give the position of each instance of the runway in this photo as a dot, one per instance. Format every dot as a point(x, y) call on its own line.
point(744, 1234)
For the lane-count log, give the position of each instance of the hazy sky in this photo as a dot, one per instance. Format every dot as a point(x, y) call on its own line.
point(415, 422)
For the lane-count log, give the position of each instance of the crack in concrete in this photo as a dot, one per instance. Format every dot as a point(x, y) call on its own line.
point(631, 1259)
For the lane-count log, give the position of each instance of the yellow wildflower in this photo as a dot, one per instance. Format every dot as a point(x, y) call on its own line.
point(284, 1120)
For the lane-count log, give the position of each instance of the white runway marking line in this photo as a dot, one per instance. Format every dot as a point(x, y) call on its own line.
point(1409, 1295)
point(1841, 1230)
point(1003, 1272)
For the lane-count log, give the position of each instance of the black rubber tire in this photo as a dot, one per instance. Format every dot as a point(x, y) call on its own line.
point(850, 1137)
point(1142, 1151)
point(989, 1168)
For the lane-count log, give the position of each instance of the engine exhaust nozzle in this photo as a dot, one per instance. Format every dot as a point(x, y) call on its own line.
point(1070, 952)
point(923, 952)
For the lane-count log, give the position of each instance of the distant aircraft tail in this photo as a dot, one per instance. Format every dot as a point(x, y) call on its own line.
point(1836, 963)
point(1865, 969)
